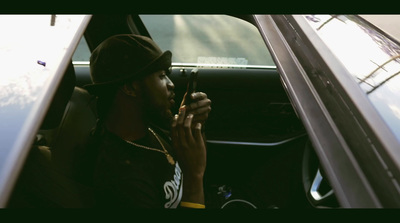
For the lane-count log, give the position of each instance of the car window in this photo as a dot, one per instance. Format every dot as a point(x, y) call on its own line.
point(208, 39)
point(82, 52)
point(32, 52)
point(370, 57)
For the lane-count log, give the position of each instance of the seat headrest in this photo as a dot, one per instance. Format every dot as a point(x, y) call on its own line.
point(60, 100)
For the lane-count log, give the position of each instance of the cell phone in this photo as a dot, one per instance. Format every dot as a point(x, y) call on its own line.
point(191, 85)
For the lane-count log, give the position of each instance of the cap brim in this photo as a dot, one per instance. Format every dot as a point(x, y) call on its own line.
point(162, 62)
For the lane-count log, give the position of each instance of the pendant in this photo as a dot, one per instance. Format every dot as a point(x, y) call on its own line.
point(170, 159)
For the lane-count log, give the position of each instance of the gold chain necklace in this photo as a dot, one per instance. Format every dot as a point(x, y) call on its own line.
point(167, 155)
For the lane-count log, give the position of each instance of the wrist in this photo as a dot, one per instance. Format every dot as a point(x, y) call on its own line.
point(193, 190)
point(193, 178)
point(192, 184)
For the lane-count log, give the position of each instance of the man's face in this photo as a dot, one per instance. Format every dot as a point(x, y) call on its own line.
point(158, 98)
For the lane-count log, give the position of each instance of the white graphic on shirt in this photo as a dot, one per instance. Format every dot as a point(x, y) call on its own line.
point(173, 189)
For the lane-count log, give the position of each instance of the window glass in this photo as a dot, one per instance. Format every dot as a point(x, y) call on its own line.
point(370, 57)
point(208, 39)
point(82, 52)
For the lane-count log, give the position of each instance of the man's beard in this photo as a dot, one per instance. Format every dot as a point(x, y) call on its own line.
point(159, 117)
point(155, 113)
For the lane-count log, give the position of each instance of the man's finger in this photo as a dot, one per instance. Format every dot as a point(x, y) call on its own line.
point(174, 131)
point(197, 133)
point(180, 128)
point(188, 129)
point(181, 115)
point(201, 110)
point(198, 95)
point(199, 104)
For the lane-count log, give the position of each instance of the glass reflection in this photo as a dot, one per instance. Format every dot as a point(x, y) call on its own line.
point(372, 58)
point(29, 39)
point(24, 83)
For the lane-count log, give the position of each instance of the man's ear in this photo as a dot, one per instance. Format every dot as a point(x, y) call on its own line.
point(131, 89)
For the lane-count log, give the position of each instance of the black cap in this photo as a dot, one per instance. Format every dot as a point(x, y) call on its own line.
point(125, 57)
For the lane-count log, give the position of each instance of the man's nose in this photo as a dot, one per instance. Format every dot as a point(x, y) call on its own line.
point(170, 84)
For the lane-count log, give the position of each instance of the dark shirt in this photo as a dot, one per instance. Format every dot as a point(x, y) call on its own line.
point(131, 176)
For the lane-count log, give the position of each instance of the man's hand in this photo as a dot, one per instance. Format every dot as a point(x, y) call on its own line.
point(188, 144)
point(190, 152)
point(200, 107)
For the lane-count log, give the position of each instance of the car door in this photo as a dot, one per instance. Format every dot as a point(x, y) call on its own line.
point(333, 80)
point(252, 119)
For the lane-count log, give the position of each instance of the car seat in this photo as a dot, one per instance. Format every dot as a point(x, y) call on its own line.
point(48, 178)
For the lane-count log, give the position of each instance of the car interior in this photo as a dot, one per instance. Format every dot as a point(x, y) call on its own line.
point(256, 143)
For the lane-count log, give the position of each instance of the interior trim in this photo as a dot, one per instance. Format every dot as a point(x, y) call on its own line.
point(264, 144)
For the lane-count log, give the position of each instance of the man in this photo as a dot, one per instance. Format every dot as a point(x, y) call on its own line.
point(140, 164)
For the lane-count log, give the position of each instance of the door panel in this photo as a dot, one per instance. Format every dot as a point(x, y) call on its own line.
point(248, 105)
